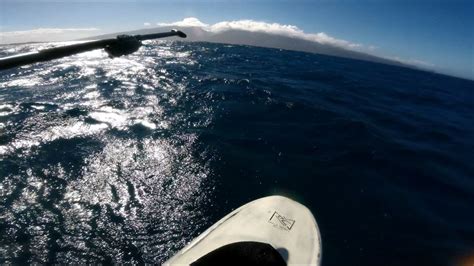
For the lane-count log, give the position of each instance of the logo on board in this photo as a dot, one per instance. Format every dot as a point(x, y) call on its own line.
point(281, 221)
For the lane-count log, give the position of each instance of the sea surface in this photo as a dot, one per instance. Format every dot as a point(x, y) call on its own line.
point(126, 160)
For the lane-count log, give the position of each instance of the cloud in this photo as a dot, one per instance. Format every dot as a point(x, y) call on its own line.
point(147, 24)
point(45, 34)
point(187, 22)
point(411, 61)
point(372, 47)
point(271, 28)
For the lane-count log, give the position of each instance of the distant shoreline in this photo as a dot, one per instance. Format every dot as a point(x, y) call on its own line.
point(144, 31)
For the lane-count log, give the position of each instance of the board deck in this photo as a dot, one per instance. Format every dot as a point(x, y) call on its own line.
point(286, 225)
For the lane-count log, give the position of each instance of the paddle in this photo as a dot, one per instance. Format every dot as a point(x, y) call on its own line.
point(121, 45)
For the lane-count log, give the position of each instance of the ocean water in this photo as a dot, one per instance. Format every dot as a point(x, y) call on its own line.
point(126, 160)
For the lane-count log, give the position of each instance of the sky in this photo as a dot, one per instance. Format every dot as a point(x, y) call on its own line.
point(434, 34)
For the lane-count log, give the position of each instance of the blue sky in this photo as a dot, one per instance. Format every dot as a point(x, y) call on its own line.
point(438, 33)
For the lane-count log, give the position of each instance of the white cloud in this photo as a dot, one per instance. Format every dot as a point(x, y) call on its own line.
point(187, 22)
point(372, 47)
point(147, 24)
point(258, 26)
point(45, 31)
point(45, 34)
point(326, 39)
point(411, 61)
point(272, 28)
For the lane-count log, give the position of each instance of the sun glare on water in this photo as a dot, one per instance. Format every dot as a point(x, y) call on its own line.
point(138, 177)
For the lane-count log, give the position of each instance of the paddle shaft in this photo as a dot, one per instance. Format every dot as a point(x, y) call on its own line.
point(68, 50)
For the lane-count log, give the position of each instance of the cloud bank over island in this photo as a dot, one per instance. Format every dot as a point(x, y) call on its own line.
point(293, 32)
point(264, 27)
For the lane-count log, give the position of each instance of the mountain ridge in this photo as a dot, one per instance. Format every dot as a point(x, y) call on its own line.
point(263, 39)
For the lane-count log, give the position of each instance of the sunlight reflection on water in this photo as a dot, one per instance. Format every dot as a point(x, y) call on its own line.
point(135, 185)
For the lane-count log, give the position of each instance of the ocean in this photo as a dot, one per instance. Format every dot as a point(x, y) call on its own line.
point(126, 160)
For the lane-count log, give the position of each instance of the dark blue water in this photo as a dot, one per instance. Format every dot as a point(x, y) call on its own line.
point(127, 160)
